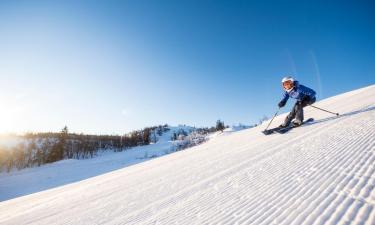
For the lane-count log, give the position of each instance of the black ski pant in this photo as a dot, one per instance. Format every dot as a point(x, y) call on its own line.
point(297, 111)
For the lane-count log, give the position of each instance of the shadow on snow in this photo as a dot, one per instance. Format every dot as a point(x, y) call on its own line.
point(366, 109)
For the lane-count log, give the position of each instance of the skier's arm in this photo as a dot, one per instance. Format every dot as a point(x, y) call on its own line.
point(284, 100)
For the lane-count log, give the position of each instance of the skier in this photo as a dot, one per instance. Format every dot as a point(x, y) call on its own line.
point(304, 95)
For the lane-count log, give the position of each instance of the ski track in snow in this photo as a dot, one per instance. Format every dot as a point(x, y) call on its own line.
point(322, 173)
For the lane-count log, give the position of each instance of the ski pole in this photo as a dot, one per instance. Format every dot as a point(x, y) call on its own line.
point(325, 110)
point(272, 118)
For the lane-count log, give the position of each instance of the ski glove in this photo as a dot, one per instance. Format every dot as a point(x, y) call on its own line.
point(282, 104)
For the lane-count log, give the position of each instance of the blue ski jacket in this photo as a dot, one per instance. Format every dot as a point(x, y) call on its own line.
point(299, 92)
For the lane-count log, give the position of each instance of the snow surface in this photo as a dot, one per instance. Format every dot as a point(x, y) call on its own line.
point(321, 173)
point(31, 180)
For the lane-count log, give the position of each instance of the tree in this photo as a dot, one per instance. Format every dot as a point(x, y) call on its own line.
point(146, 136)
point(61, 148)
point(39, 157)
point(220, 125)
point(19, 156)
point(57, 151)
point(4, 159)
point(174, 136)
point(30, 150)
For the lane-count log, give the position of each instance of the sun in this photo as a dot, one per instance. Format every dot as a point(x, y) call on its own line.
point(9, 113)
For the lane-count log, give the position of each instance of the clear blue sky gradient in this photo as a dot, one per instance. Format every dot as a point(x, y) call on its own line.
point(110, 67)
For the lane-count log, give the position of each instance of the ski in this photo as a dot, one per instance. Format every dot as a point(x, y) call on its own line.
point(271, 131)
point(282, 130)
point(286, 129)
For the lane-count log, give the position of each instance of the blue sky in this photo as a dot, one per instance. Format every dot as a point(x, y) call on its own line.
point(110, 67)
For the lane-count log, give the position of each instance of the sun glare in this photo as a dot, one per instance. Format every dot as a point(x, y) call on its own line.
point(8, 117)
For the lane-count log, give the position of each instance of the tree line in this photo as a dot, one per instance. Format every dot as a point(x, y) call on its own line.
point(37, 149)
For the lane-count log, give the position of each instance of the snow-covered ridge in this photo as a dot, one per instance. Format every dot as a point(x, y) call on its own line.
point(322, 173)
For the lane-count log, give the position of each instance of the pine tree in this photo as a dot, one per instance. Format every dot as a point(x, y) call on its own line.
point(220, 125)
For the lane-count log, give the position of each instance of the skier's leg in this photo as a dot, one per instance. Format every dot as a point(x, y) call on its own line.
point(299, 113)
point(291, 116)
point(301, 105)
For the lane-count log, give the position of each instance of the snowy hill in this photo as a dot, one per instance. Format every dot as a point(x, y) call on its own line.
point(72, 170)
point(322, 173)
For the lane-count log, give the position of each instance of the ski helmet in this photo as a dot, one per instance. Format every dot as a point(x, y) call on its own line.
point(288, 83)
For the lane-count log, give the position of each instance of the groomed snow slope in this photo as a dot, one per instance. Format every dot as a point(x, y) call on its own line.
point(323, 173)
